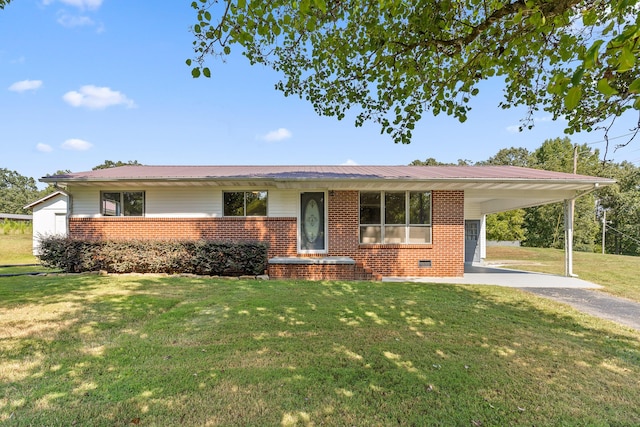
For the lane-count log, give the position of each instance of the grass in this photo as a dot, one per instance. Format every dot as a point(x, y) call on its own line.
point(144, 350)
point(126, 350)
point(617, 273)
point(16, 249)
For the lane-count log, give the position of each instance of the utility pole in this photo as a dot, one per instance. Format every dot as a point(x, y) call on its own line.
point(604, 228)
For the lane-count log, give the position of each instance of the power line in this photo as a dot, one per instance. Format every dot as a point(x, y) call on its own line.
point(623, 234)
point(609, 139)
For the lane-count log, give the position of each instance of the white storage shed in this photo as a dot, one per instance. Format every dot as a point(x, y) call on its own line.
point(49, 217)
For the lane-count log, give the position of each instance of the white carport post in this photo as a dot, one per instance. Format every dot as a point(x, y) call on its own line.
point(569, 205)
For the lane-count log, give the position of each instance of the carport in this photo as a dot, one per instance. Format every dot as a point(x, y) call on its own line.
point(488, 193)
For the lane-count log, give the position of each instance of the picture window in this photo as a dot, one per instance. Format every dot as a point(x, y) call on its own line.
point(122, 203)
point(395, 217)
point(245, 203)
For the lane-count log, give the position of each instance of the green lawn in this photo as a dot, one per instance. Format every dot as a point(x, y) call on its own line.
point(91, 350)
point(159, 351)
point(617, 273)
point(16, 249)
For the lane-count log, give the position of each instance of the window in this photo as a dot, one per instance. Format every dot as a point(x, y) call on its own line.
point(122, 203)
point(395, 217)
point(245, 203)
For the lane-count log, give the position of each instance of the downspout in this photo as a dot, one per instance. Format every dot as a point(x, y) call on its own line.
point(569, 207)
point(69, 206)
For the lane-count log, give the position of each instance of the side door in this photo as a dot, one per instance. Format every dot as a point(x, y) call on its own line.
point(471, 241)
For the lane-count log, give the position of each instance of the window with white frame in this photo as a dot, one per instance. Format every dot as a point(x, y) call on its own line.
point(395, 217)
point(122, 203)
point(245, 203)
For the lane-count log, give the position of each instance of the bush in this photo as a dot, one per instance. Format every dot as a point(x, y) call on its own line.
point(202, 257)
point(8, 226)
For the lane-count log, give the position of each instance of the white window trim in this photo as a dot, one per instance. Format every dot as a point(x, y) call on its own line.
point(407, 225)
point(244, 208)
point(144, 203)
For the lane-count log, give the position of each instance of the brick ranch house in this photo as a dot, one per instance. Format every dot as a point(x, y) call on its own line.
point(320, 222)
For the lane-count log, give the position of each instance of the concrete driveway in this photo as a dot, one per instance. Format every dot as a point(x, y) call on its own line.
point(573, 291)
point(481, 275)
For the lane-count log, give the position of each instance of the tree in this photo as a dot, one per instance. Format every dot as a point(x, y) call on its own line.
point(16, 191)
point(621, 202)
point(544, 225)
point(3, 3)
point(51, 187)
point(428, 162)
point(506, 225)
point(393, 60)
point(510, 157)
point(111, 164)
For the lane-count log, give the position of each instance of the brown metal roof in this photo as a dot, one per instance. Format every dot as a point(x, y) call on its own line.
point(488, 188)
point(322, 173)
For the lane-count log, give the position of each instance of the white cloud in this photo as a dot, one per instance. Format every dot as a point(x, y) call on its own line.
point(71, 21)
point(80, 4)
point(25, 85)
point(44, 148)
point(76, 145)
point(349, 162)
point(97, 98)
point(547, 118)
point(277, 135)
point(539, 119)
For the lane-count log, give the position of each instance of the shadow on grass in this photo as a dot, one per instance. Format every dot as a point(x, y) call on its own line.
point(129, 350)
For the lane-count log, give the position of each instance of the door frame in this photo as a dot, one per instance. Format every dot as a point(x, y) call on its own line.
point(476, 254)
point(299, 229)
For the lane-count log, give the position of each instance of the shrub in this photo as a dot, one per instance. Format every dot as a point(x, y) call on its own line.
point(203, 257)
point(8, 226)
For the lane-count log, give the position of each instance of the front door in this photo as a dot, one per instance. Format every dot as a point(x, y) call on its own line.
point(311, 228)
point(471, 241)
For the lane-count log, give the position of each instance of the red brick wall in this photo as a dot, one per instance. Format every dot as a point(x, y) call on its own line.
point(446, 252)
point(312, 271)
point(280, 233)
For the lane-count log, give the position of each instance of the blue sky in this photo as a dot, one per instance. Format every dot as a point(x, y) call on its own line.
point(84, 81)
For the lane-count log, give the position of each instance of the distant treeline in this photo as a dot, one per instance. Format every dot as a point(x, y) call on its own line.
point(543, 226)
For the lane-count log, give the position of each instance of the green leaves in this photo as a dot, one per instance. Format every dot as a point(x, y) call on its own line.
point(591, 57)
point(572, 98)
point(627, 60)
point(197, 71)
point(392, 60)
point(321, 5)
point(605, 88)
